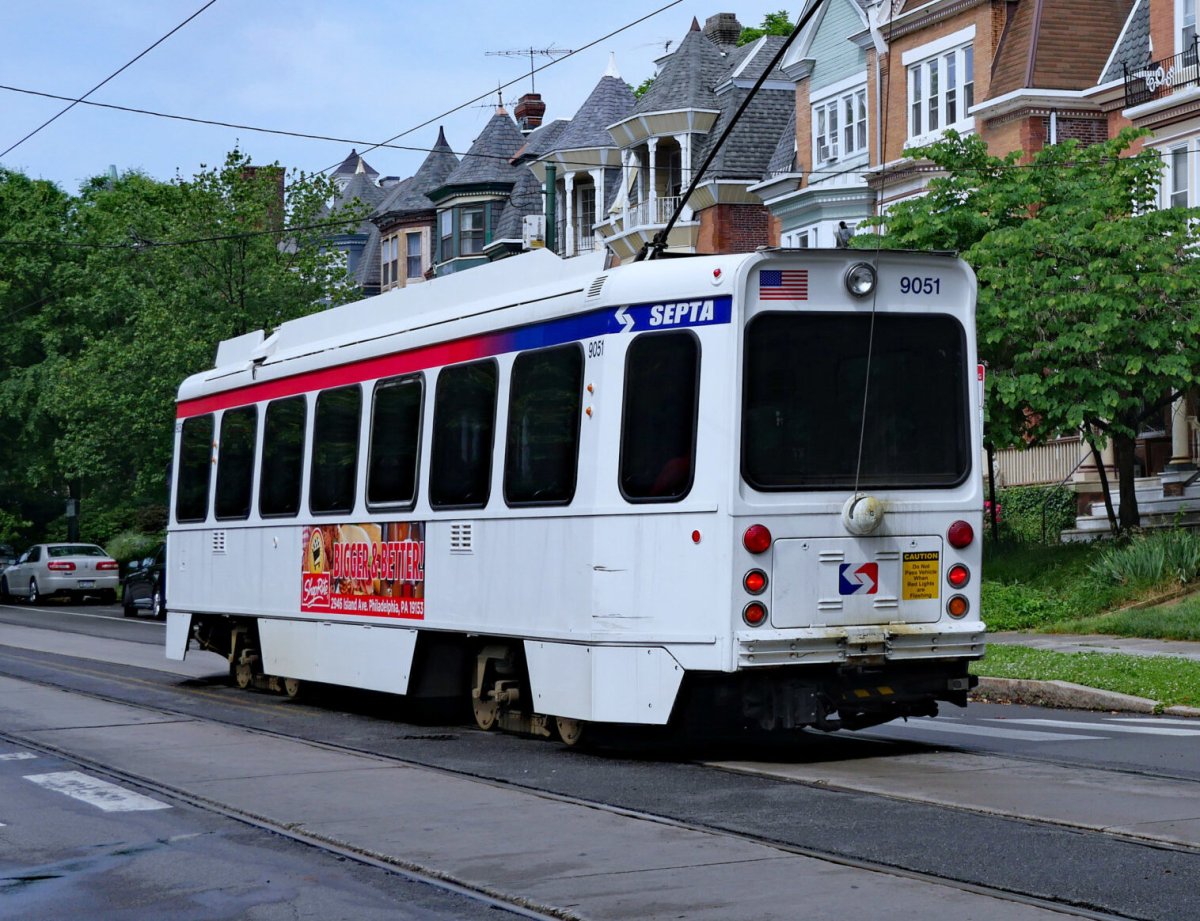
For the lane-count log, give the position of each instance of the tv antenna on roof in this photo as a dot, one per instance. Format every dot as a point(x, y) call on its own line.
point(550, 52)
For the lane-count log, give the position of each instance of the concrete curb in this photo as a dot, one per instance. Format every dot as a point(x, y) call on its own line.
point(1068, 696)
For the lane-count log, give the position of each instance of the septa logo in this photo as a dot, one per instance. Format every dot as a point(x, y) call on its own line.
point(854, 579)
point(315, 589)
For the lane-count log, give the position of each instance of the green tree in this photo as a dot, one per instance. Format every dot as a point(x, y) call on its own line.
point(1086, 310)
point(776, 23)
point(160, 273)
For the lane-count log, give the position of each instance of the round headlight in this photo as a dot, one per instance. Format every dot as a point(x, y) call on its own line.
point(860, 279)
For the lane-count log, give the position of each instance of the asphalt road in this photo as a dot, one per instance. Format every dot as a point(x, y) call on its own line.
point(877, 797)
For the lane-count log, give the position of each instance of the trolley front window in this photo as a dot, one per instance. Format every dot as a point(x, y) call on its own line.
point(803, 402)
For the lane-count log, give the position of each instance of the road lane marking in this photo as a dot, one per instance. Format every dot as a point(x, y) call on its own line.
point(95, 792)
point(17, 756)
point(1020, 735)
point(1108, 727)
point(113, 617)
point(1154, 720)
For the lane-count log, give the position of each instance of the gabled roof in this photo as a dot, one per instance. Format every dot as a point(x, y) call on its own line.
point(783, 158)
point(411, 195)
point(609, 102)
point(489, 158)
point(1046, 46)
point(688, 77)
point(1133, 48)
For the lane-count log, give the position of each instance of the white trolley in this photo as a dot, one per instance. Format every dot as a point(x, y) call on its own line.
point(739, 488)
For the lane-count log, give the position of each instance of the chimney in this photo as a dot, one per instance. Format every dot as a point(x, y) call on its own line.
point(722, 29)
point(529, 111)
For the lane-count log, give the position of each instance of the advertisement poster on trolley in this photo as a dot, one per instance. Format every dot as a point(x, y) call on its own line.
point(372, 569)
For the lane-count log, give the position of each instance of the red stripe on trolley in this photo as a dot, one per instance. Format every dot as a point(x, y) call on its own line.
point(338, 376)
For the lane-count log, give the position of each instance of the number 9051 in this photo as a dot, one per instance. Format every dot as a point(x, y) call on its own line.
point(917, 284)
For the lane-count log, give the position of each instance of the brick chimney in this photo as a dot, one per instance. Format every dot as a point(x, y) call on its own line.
point(529, 111)
point(722, 29)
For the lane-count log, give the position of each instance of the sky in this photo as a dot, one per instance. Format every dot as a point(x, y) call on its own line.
point(354, 70)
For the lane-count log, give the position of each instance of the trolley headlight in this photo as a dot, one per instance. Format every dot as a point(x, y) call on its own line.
point(860, 279)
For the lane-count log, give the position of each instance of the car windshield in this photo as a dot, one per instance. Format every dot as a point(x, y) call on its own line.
point(75, 550)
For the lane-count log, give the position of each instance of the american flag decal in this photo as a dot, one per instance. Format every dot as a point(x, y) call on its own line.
point(783, 285)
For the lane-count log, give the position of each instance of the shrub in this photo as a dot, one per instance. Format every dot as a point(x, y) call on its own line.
point(132, 545)
point(1150, 559)
point(1023, 508)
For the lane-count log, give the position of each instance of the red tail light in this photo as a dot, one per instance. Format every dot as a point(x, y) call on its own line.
point(755, 613)
point(61, 565)
point(960, 535)
point(958, 575)
point(757, 539)
point(755, 581)
point(106, 564)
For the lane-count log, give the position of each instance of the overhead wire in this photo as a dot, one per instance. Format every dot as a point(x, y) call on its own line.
point(115, 73)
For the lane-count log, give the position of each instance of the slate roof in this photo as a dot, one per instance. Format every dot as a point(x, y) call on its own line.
point(1134, 47)
point(525, 198)
point(489, 158)
point(366, 273)
point(349, 166)
point(411, 195)
point(687, 77)
point(362, 187)
point(542, 140)
point(747, 152)
point(610, 102)
point(783, 159)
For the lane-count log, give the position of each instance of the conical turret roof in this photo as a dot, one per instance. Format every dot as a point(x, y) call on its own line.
point(413, 194)
point(488, 159)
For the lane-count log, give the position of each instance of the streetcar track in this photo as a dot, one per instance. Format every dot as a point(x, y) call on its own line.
point(384, 861)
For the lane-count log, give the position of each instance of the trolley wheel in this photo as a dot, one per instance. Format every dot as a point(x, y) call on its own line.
point(569, 730)
point(243, 674)
point(293, 688)
point(486, 713)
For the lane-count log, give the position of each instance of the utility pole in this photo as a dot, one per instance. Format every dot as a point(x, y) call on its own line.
point(532, 52)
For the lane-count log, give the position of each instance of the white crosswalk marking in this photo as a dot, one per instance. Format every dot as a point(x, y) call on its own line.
point(17, 756)
point(1109, 727)
point(966, 729)
point(96, 792)
point(1155, 720)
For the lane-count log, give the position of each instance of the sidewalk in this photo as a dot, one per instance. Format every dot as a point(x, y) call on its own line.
point(1075, 696)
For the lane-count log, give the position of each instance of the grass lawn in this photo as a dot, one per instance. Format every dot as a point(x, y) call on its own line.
point(1167, 680)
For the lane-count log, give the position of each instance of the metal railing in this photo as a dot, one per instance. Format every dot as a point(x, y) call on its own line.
point(1160, 79)
point(653, 211)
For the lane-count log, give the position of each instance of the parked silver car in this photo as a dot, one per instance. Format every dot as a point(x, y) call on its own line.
point(75, 570)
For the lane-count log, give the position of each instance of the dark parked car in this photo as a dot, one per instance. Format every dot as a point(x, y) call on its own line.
point(146, 585)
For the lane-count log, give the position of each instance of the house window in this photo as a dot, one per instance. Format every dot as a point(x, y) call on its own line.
point(470, 231)
point(413, 268)
point(447, 222)
point(1178, 196)
point(941, 91)
point(1187, 36)
point(389, 263)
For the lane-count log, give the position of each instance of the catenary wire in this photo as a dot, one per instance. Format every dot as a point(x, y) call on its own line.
point(123, 67)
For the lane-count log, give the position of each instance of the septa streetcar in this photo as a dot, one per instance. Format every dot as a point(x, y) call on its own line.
point(708, 490)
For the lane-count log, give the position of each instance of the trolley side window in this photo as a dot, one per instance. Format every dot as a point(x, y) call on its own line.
point(803, 401)
point(464, 418)
point(542, 455)
point(195, 469)
point(283, 458)
point(395, 442)
point(335, 450)
point(658, 422)
point(235, 463)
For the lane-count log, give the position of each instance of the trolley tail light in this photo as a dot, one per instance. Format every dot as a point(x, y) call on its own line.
point(960, 534)
point(958, 606)
point(757, 539)
point(755, 581)
point(61, 566)
point(958, 575)
point(755, 614)
point(106, 565)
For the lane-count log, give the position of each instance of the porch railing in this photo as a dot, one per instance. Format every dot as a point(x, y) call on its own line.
point(1160, 79)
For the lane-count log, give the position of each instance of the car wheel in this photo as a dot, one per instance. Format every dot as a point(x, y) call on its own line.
point(157, 609)
point(34, 596)
point(127, 604)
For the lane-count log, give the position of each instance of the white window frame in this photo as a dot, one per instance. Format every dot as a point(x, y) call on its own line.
point(941, 82)
point(834, 138)
point(1185, 25)
point(1176, 194)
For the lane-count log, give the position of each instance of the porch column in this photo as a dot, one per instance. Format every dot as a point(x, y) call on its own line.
point(569, 203)
point(624, 192)
point(1181, 448)
point(601, 194)
point(652, 197)
point(685, 170)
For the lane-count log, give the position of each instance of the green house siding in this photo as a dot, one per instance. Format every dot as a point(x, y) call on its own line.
point(836, 57)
